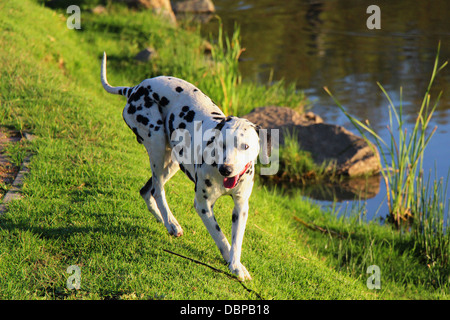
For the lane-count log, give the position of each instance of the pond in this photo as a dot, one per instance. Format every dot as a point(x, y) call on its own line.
point(317, 43)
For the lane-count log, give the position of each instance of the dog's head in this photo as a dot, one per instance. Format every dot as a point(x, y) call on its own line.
point(242, 142)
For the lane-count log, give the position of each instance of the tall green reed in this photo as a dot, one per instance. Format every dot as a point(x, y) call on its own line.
point(225, 72)
point(432, 207)
point(402, 158)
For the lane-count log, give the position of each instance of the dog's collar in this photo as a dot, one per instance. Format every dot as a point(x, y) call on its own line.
point(231, 182)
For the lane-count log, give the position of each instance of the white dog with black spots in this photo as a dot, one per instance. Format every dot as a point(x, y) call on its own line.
point(182, 128)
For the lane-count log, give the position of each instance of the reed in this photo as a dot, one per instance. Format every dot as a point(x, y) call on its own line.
point(225, 74)
point(402, 156)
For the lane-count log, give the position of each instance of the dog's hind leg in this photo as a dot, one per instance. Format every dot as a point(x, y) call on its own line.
point(170, 169)
point(163, 168)
point(149, 200)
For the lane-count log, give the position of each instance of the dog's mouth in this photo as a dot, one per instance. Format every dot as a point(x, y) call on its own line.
point(231, 182)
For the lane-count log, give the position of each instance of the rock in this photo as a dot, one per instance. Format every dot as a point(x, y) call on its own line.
point(161, 7)
point(146, 55)
point(194, 6)
point(271, 117)
point(350, 154)
point(98, 9)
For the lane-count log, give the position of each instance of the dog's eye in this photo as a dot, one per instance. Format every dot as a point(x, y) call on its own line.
point(245, 146)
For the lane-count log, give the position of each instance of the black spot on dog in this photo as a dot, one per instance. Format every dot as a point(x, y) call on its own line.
point(203, 211)
point(205, 197)
point(160, 122)
point(179, 89)
point(145, 188)
point(171, 119)
point(182, 125)
point(208, 183)
point(185, 109)
point(219, 118)
point(216, 113)
point(155, 96)
point(120, 91)
point(138, 137)
point(195, 90)
point(142, 119)
point(139, 108)
point(148, 103)
point(152, 191)
point(181, 115)
point(130, 90)
point(141, 91)
point(211, 140)
point(190, 116)
point(131, 109)
point(217, 227)
point(220, 125)
point(156, 128)
point(234, 217)
point(164, 101)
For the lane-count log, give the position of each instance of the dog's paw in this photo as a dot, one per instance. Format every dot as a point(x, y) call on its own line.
point(175, 230)
point(240, 271)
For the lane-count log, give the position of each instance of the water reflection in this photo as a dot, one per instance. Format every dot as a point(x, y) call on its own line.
point(347, 189)
point(318, 43)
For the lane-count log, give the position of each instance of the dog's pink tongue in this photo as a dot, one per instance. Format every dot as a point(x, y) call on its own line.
point(229, 183)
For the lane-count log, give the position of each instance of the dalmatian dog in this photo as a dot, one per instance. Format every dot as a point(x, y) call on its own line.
point(182, 128)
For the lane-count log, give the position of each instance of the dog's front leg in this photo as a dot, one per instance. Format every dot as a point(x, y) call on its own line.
point(205, 211)
point(239, 220)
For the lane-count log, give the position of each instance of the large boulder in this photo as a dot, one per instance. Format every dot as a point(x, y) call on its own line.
point(350, 154)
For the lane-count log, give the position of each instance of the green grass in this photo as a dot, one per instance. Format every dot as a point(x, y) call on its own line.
point(81, 204)
point(297, 165)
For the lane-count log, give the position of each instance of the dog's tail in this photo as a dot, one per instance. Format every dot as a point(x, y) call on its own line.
point(115, 90)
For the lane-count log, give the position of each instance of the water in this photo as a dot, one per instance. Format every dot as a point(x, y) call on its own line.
point(318, 43)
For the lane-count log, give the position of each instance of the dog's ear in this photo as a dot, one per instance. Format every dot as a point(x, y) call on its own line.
point(265, 144)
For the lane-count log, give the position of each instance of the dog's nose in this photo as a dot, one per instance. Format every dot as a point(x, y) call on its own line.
point(225, 170)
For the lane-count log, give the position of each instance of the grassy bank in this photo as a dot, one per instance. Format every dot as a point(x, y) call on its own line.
point(81, 204)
